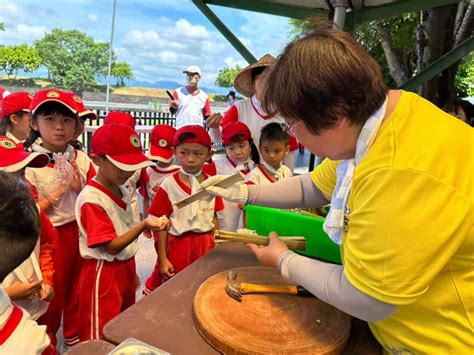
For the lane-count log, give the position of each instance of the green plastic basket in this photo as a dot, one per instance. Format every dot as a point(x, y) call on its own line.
point(318, 245)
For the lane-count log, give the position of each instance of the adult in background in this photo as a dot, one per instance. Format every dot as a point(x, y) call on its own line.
point(250, 83)
point(399, 176)
point(190, 103)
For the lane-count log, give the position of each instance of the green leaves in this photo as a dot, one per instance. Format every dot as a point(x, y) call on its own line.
point(121, 71)
point(16, 58)
point(225, 77)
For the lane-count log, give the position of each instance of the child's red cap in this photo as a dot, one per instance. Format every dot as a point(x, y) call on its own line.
point(161, 142)
point(235, 128)
point(49, 95)
point(120, 117)
point(82, 111)
point(121, 145)
point(200, 136)
point(16, 102)
point(13, 157)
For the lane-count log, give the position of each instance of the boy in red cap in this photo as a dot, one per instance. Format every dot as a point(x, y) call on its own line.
point(160, 151)
point(18, 333)
point(15, 116)
point(108, 240)
point(30, 285)
point(192, 227)
point(120, 117)
point(54, 121)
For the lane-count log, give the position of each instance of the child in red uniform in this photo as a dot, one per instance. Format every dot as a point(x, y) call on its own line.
point(108, 236)
point(160, 151)
point(19, 229)
point(54, 121)
point(192, 227)
point(15, 116)
point(31, 284)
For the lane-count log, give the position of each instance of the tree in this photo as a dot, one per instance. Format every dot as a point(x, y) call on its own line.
point(406, 44)
point(72, 58)
point(2, 26)
point(225, 77)
point(16, 58)
point(121, 71)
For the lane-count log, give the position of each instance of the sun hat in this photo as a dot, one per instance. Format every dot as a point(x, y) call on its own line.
point(192, 69)
point(243, 82)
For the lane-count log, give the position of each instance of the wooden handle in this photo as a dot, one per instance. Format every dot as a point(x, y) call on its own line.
point(246, 288)
point(228, 181)
point(246, 238)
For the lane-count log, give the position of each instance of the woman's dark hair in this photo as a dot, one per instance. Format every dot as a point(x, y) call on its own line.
point(48, 108)
point(323, 76)
point(273, 132)
point(19, 223)
point(254, 154)
point(257, 71)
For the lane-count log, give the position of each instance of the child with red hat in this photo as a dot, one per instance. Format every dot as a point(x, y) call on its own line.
point(30, 285)
point(191, 234)
point(120, 117)
point(83, 113)
point(54, 120)
point(160, 151)
point(15, 116)
point(108, 239)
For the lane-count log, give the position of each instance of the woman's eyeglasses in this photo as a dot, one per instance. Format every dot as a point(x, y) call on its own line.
point(290, 127)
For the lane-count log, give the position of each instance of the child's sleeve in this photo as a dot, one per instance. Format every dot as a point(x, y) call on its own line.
point(99, 228)
point(46, 255)
point(206, 111)
point(161, 205)
point(219, 204)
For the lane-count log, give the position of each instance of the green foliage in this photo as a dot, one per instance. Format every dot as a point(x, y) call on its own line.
point(16, 58)
point(464, 80)
point(72, 58)
point(2, 26)
point(225, 77)
point(121, 71)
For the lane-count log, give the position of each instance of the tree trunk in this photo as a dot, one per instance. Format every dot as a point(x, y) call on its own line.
point(395, 66)
point(466, 26)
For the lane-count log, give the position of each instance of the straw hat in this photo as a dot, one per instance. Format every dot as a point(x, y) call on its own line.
point(243, 82)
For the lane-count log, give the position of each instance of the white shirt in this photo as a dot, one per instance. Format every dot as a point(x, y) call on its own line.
point(192, 107)
point(156, 175)
point(260, 176)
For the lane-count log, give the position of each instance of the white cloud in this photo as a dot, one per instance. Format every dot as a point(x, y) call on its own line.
point(10, 12)
point(93, 17)
point(232, 63)
point(22, 33)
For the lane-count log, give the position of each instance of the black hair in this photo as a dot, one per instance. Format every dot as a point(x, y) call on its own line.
point(19, 223)
point(231, 93)
point(273, 132)
point(185, 136)
point(48, 108)
point(255, 155)
point(6, 122)
point(257, 71)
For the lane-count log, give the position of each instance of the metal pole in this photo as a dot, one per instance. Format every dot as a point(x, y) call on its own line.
point(111, 48)
point(340, 13)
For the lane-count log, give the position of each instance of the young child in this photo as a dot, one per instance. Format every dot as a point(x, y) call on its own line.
point(54, 119)
point(19, 229)
point(240, 154)
point(31, 284)
point(192, 227)
point(160, 151)
point(108, 236)
point(273, 147)
point(15, 116)
point(83, 113)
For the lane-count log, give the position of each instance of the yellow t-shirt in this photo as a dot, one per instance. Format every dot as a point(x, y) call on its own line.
point(410, 234)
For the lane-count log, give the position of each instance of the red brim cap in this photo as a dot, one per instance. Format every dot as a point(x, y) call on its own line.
point(130, 162)
point(17, 160)
point(88, 114)
point(160, 154)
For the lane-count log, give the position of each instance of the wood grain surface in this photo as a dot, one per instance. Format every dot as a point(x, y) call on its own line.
point(267, 323)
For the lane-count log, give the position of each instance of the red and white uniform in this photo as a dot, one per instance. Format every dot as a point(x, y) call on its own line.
point(190, 235)
point(250, 112)
point(18, 333)
point(260, 176)
point(107, 282)
point(230, 217)
point(155, 176)
point(13, 138)
point(192, 107)
point(135, 182)
point(67, 259)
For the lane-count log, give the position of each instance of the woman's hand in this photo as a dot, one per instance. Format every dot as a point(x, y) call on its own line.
point(214, 120)
point(24, 291)
point(236, 193)
point(157, 223)
point(174, 104)
point(268, 255)
point(46, 293)
point(166, 269)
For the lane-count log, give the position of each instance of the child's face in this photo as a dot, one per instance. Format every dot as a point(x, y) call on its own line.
point(55, 129)
point(109, 172)
point(273, 152)
point(192, 156)
point(239, 152)
point(21, 125)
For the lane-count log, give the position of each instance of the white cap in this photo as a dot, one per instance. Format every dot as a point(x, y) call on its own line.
point(193, 69)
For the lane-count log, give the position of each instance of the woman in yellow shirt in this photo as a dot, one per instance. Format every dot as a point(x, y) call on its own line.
point(399, 176)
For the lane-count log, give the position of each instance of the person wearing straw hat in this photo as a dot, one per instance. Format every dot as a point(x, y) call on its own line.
point(190, 103)
point(249, 82)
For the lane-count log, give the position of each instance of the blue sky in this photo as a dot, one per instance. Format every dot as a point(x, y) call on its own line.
point(158, 38)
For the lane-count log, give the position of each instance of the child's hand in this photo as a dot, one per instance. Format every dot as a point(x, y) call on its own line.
point(76, 183)
point(157, 223)
point(166, 269)
point(174, 104)
point(46, 292)
point(24, 291)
